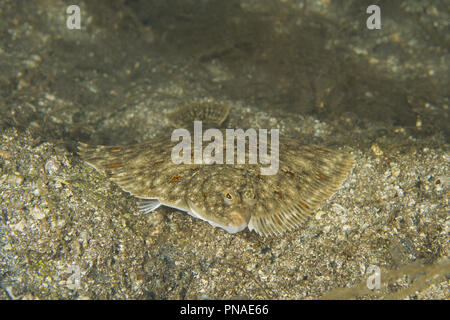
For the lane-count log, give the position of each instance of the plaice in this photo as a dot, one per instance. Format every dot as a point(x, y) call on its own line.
point(230, 196)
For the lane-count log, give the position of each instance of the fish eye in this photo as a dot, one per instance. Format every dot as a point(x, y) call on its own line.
point(228, 197)
point(250, 198)
point(249, 194)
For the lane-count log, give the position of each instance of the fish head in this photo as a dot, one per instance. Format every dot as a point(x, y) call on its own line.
point(224, 201)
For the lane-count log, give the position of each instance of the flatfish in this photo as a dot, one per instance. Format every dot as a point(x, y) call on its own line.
point(229, 196)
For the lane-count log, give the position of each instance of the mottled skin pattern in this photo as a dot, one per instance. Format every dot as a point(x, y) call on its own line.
point(229, 196)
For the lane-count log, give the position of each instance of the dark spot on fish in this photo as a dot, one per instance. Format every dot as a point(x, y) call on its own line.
point(113, 165)
point(320, 175)
point(278, 194)
point(157, 163)
point(290, 173)
point(176, 178)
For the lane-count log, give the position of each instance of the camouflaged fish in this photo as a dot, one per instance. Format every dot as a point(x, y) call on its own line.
point(230, 196)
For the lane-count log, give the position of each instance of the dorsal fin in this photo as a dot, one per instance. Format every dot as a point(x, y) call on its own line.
point(211, 114)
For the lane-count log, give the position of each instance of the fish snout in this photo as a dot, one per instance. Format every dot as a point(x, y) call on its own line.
point(239, 217)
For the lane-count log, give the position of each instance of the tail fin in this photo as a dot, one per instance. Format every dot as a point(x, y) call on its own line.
point(211, 114)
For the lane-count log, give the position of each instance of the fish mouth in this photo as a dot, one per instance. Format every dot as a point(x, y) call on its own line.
point(237, 220)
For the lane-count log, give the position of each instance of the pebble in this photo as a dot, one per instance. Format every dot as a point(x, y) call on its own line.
point(15, 180)
point(376, 150)
point(37, 213)
point(52, 166)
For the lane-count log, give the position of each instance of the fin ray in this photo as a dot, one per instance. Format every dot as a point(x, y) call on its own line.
point(148, 205)
point(211, 114)
point(315, 173)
